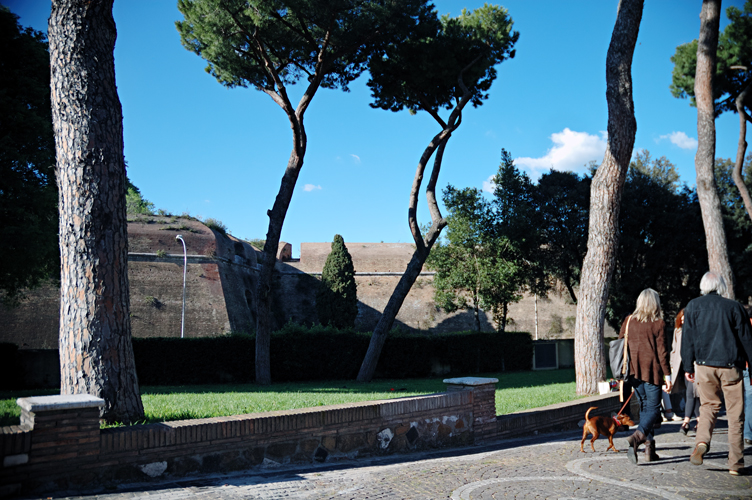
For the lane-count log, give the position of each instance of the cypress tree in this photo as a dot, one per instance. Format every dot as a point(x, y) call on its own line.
point(337, 300)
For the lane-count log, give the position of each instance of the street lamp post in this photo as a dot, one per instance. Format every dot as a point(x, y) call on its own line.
point(185, 269)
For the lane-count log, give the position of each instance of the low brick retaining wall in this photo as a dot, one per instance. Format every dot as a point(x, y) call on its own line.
point(561, 416)
point(59, 444)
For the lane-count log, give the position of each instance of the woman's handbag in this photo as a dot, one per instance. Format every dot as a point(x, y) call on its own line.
point(618, 355)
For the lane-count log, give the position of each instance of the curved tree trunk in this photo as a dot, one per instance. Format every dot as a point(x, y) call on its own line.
point(96, 354)
point(423, 248)
point(605, 200)
point(707, 193)
point(742, 149)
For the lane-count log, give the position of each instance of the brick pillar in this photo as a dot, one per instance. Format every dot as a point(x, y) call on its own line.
point(484, 403)
point(63, 428)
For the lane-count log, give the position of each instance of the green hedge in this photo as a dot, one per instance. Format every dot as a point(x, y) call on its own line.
point(324, 353)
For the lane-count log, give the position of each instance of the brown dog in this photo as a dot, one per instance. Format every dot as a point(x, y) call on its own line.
point(603, 425)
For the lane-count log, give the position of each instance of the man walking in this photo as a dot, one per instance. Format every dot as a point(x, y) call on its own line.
point(716, 345)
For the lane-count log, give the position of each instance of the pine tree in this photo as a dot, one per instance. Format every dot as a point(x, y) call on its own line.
point(337, 300)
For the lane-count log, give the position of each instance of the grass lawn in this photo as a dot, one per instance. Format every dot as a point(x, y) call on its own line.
point(515, 391)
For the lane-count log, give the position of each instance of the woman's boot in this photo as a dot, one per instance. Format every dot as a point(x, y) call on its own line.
point(650, 454)
point(635, 440)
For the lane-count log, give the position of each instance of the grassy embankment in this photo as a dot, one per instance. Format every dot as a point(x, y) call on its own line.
point(515, 391)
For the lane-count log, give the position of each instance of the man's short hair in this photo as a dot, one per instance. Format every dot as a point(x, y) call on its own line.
point(711, 282)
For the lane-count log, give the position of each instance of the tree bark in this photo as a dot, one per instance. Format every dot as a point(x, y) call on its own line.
point(742, 149)
point(96, 354)
point(707, 192)
point(605, 200)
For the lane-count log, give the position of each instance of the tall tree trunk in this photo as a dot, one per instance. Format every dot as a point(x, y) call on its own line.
point(96, 354)
point(476, 316)
point(605, 200)
point(707, 193)
point(742, 148)
point(504, 312)
point(264, 293)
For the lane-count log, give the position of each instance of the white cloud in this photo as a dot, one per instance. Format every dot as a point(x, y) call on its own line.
point(571, 151)
point(311, 187)
point(356, 158)
point(488, 185)
point(680, 139)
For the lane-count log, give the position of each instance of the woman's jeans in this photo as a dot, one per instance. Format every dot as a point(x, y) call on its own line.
point(650, 405)
point(747, 406)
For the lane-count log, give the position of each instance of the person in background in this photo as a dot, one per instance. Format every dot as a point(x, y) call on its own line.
point(692, 402)
point(648, 368)
point(716, 344)
point(748, 394)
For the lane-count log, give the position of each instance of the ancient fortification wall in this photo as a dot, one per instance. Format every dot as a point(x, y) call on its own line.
point(221, 280)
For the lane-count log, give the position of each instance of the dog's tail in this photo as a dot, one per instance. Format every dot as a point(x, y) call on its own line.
point(587, 413)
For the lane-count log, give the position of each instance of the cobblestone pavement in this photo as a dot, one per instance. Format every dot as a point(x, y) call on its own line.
point(545, 466)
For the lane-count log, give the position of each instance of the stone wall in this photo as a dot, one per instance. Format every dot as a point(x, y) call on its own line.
point(220, 286)
point(59, 444)
point(221, 281)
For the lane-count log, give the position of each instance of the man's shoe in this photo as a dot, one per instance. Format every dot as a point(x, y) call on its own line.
point(700, 450)
point(735, 472)
point(635, 440)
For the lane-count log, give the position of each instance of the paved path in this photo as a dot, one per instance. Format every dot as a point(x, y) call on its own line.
point(545, 466)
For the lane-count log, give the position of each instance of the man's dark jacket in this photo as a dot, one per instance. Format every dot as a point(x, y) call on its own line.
point(716, 332)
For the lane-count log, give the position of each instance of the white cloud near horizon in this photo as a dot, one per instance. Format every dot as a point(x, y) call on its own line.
point(311, 187)
point(571, 151)
point(356, 158)
point(680, 139)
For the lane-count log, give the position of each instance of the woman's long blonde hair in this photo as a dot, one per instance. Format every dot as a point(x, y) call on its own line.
point(648, 306)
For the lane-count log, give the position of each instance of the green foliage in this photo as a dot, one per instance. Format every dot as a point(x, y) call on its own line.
point(422, 72)
point(161, 253)
point(517, 219)
point(563, 202)
point(249, 43)
point(257, 243)
point(660, 170)
point(337, 300)
point(494, 250)
point(135, 203)
point(215, 224)
point(29, 252)
point(661, 244)
point(475, 269)
point(734, 49)
point(325, 353)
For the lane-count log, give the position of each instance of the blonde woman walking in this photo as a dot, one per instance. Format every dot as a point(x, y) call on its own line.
point(648, 368)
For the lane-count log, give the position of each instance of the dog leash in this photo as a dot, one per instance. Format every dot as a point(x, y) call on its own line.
point(625, 404)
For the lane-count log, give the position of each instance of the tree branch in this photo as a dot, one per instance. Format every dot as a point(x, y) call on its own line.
point(742, 149)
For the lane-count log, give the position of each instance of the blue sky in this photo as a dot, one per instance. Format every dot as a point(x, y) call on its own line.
point(194, 146)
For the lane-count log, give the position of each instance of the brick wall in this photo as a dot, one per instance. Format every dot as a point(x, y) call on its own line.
point(59, 444)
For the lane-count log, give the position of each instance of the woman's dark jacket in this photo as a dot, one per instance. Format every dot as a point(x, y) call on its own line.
point(648, 355)
point(716, 333)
